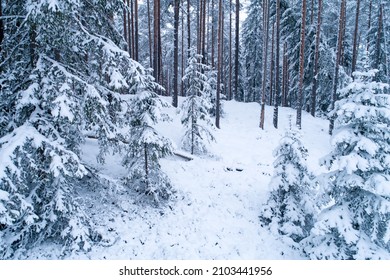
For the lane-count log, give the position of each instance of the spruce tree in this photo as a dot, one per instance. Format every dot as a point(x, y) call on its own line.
point(146, 145)
point(289, 210)
point(356, 225)
point(196, 107)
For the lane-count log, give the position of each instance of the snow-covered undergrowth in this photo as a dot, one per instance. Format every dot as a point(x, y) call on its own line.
point(215, 212)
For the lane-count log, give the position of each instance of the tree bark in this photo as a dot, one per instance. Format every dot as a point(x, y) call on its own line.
point(237, 50)
point(285, 76)
point(272, 65)
point(378, 39)
point(132, 29)
point(182, 52)
point(301, 66)
point(337, 63)
point(265, 58)
point(150, 35)
point(188, 28)
point(316, 58)
point(136, 39)
point(156, 42)
point(176, 54)
point(124, 23)
point(230, 52)
point(212, 35)
point(277, 58)
point(369, 24)
point(219, 78)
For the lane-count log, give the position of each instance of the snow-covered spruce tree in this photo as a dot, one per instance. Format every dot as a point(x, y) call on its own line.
point(290, 208)
point(61, 75)
point(146, 146)
point(196, 107)
point(357, 224)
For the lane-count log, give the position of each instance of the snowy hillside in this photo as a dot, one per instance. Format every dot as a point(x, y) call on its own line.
point(218, 199)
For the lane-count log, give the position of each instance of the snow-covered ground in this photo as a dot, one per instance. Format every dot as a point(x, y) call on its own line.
point(218, 198)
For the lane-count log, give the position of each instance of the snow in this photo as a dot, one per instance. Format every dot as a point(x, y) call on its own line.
point(218, 196)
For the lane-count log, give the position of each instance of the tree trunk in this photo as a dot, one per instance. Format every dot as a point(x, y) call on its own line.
point(301, 65)
point(230, 52)
point(220, 34)
point(237, 50)
point(369, 24)
point(212, 35)
point(316, 58)
point(355, 38)
point(176, 54)
point(125, 23)
point(285, 76)
point(265, 58)
point(203, 41)
point(337, 63)
point(129, 32)
point(188, 27)
point(277, 58)
point(378, 39)
point(272, 62)
point(150, 35)
point(136, 30)
point(156, 39)
point(182, 52)
point(146, 165)
point(132, 30)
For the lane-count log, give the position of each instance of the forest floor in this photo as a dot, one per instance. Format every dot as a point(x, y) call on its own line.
point(218, 197)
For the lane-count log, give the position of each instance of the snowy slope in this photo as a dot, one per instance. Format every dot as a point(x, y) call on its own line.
point(215, 213)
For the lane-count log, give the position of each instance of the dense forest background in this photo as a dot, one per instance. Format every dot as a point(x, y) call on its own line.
point(72, 70)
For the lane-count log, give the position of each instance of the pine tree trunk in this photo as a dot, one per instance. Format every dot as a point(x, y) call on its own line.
point(316, 58)
point(219, 78)
point(285, 76)
point(182, 52)
point(150, 36)
point(237, 50)
point(369, 24)
point(203, 42)
point(136, 39)
point(212, 35)
point(337, 63)
point(156, 39)
point(125, 23)
point(188, 27)
point(272, 65)
point(265, 58)
point(198, 26)
point(129, 42)
point(378, 39)
point(355, 38)
point(230, 52)
point(301, 65)
point(277, 58)
point(176, 54)
point(146, 165)
point(132, 30)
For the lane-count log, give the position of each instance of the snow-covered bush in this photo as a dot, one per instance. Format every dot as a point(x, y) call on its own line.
point(196, 107)
point(290, 208)
point(357, 224)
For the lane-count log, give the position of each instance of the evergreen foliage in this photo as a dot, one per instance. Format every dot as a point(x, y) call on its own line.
point(357, 225)
point(290, 209)
point(196, 107)
point(56, 87)
point(146, 146)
